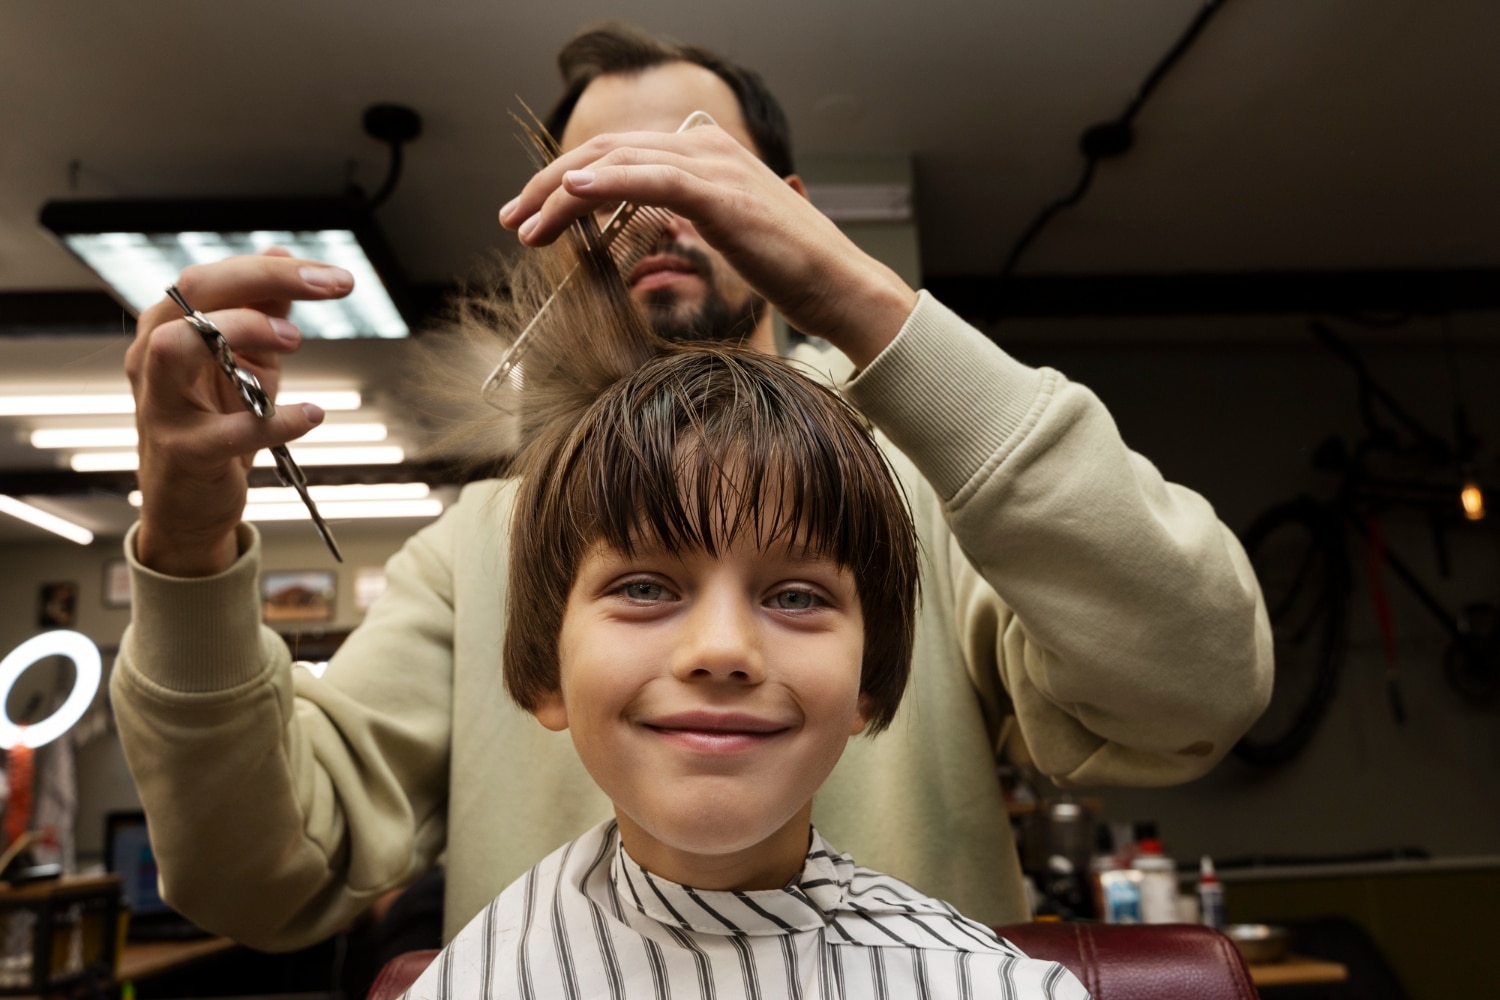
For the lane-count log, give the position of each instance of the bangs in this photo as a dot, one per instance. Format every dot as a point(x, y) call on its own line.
point(722, 445)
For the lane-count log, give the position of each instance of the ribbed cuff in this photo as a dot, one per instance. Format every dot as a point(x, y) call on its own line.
point(946, 395)
point(197, 635)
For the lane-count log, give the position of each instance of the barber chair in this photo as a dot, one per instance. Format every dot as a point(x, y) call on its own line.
point(1113, 961)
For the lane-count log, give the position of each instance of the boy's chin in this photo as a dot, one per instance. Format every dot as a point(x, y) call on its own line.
point(720, 848)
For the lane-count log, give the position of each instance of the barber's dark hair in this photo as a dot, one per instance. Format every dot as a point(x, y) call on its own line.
point(620, 48)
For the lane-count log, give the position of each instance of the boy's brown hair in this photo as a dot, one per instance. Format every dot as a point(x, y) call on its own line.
point(697, 448)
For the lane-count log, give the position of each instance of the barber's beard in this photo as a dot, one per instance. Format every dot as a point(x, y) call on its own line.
point(714, 319)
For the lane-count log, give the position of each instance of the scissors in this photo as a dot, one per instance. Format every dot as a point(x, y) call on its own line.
point(257, 402)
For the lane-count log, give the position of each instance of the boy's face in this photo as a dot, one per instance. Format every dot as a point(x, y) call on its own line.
point(709, 698)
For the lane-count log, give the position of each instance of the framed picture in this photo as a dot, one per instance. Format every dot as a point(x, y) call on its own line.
point(57, 605)
point(116, 585)
point(298, 595)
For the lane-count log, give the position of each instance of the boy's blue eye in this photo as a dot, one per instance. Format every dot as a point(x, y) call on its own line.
point(795, 600)
point(644, 590)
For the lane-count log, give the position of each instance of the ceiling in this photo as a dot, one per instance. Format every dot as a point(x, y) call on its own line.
point(1295, 135)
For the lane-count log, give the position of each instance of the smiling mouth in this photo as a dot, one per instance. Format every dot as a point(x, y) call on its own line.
point(717, 733)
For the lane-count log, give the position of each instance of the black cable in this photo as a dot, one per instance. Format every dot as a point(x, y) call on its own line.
point(395, 125)
point(391, 177)
point(1111, 138)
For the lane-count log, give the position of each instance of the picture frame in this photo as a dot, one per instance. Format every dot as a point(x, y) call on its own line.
point(114, 589)
point(57, 605)
point(294, 596)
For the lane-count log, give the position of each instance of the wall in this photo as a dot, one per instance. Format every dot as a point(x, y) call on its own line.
point(1234, 409)
point(104, 783)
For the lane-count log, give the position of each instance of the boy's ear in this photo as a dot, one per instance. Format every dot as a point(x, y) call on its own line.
point(863, 711)
point(551, 712)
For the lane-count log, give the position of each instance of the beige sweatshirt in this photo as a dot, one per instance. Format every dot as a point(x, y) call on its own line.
point(1065, 583)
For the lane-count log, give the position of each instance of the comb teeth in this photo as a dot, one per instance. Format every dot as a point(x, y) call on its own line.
point(633, 238)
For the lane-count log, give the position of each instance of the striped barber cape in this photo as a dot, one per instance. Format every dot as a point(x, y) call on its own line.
point(588, 922)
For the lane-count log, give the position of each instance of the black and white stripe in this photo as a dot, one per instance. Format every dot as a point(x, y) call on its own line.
point(589, 922)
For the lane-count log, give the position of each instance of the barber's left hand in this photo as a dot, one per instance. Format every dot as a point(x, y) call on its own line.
point(763, 225)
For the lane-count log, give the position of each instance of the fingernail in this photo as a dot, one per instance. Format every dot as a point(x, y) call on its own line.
point(579, 178)
point(286, 331)
point(327, 279)
point(313, 412)
point(529, 226)
point(510, 206)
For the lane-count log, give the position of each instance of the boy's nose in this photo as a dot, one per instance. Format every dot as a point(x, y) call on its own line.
point(720, 644)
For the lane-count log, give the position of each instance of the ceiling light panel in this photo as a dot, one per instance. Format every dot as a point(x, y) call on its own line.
point(139, 247)
point(139, 266)
point(125, 437)
point(111, 404)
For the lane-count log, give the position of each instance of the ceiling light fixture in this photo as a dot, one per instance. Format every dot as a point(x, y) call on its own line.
point(45, 520)
point(340, 492)
point(125, 437)
point(141, 247)
point(341, 510)
point(129, 461)
point(122, 403)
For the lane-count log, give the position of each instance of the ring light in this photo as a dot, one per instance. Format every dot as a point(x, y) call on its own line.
point(86, 672)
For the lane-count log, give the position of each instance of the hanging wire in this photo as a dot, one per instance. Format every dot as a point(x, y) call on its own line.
point(1112, 138)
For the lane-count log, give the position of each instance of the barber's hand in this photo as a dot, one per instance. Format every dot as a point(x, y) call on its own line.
point(765, 227)
point(197, 439)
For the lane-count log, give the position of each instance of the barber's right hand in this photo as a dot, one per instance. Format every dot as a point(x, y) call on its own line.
point(197, 439)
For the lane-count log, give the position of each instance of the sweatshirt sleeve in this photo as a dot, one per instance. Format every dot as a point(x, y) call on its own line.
point(281, 804)
point(1121, 615)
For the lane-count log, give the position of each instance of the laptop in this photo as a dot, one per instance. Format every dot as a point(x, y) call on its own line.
point(127, 853)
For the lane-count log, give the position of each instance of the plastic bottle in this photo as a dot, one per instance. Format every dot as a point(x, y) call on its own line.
point(1158, 882)
point(1210, 895)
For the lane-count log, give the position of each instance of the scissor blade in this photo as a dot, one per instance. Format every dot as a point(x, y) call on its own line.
point(293, 477)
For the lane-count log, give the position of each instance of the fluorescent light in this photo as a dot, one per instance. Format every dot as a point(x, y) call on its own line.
point(141, 247)
point(389, 454)
point(94, 404)
point(347, 491)
point(140, 266)
point(343, 510)
point(129, 461)
point(83, 437)
point(105, 461)
point(125, 437)
point(99, 404)
point(346, 399)
point(46, 520)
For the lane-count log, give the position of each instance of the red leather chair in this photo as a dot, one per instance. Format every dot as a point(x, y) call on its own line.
point(1140, 961)
point(1113, 961)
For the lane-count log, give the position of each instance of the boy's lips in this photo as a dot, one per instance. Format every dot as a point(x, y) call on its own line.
point(716, 731)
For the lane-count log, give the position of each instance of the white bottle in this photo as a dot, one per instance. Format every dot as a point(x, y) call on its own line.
point(1210, 895)
point(1158, 883)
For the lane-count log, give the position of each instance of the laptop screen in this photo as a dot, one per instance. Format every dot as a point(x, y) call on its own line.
point(127, 853)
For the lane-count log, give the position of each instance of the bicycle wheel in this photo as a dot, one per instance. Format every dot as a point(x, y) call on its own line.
point(1299, 555)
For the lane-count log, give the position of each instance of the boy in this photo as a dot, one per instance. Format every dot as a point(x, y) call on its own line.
point(712, 587)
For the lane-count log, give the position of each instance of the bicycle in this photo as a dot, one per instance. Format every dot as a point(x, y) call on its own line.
point(1301, 553)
